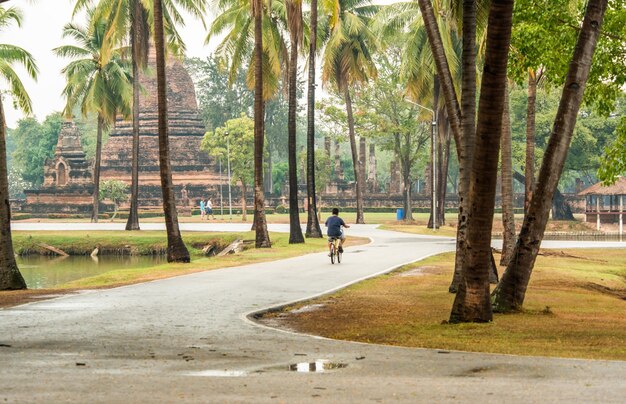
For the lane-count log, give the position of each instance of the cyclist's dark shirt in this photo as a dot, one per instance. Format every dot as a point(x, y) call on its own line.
point(334, 224)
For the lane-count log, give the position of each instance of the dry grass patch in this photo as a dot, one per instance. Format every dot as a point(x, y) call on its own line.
point(574, 308)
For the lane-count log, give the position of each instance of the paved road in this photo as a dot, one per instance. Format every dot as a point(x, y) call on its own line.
point(187, 339)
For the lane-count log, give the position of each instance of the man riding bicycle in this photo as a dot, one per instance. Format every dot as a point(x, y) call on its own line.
point(334, 224)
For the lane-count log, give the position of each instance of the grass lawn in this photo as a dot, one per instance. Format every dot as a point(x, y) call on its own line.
point(147, 242)
point(574, 308)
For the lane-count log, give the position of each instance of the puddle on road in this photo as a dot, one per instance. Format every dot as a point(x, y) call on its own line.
point(218, 373)
point(319, 366)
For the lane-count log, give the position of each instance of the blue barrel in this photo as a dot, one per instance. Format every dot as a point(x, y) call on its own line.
point(400, 214)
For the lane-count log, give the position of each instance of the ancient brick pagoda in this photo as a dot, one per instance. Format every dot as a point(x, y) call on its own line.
point(190, 166)
point(68, 181)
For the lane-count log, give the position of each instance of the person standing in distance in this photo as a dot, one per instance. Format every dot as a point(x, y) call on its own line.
point(334, 225)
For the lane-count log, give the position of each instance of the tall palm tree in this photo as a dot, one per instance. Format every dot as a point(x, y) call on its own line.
point(235, 24)
point(176, 250)
point(10, 276)
point(294, 20)
point(262, 235)
point(312, 224)
point(347, 61)
point(510, 293)
point(133, 17)
point(98, 80)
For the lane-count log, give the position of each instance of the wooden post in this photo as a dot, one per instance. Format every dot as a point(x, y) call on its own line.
point(598, 212)
point(621, 210)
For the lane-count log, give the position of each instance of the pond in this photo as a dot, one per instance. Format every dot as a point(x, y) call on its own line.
point(47, 272)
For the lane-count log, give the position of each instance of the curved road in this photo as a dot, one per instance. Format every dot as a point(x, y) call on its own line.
point(188, 339)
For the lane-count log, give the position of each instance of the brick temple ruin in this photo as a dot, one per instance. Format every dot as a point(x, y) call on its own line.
point(191, 167)
point(68, 180)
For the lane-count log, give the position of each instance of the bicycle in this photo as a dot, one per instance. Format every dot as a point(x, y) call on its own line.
point(335, 254)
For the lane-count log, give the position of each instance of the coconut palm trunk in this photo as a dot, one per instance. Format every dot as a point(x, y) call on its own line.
point(312, 223)
point(262, 235)
point(295, 232)
point(10, 276)
point(176, 250)
point(355, 158)
point(133, 215)
point(472, 302)
point(96, 171)
point(511, 291)
point(453, 109)
point(529, 168)
point(508, 217)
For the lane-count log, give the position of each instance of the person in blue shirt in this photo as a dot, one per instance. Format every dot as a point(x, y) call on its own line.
point(334, 224)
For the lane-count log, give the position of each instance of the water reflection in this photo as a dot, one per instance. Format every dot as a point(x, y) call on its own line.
point(46, 272)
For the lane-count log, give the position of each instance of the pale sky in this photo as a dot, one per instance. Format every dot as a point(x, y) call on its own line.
point(41, 32)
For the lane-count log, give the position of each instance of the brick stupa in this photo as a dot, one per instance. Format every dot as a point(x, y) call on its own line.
point(191, 167)
point(68, 180)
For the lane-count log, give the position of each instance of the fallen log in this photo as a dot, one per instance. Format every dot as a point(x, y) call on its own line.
point(234, 247)
point(55, 250)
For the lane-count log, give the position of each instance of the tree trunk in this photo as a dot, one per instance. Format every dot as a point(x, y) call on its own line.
point(406, 193)
point(244, 207)
point(371, 175)
point(133, 215)
point(267, 179)
point(262, 235)
point(295, 232)
point(472, 302)
point(560, 208)
point(10, 276)
point(362, 159)
point(468, 120)
point(176, 250)
point(313, 228)
point(444, 160)
point(510, 292)
point(355, 160)
point(96, 172)
point(508, 217)
point(529, 170)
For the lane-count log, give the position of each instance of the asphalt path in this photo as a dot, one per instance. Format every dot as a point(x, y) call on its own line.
point(189, 339)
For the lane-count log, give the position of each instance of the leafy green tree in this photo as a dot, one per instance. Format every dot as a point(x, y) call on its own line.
point(98, 81)
point(218, 99)
point(391, 121)
point(234, 140)
point(10, 55)
point(34, 143)
point(614, 160)
point(114, 191)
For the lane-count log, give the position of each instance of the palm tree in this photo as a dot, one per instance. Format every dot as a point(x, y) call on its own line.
point(510, 292)
point(472, 303)
point(294, 20)
point(132, 16)
point(262, 235)
point(312, 224)
point(176, 250)
point(10, 276)
point(235, 23)
point(99, 81)
point(348, 62)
